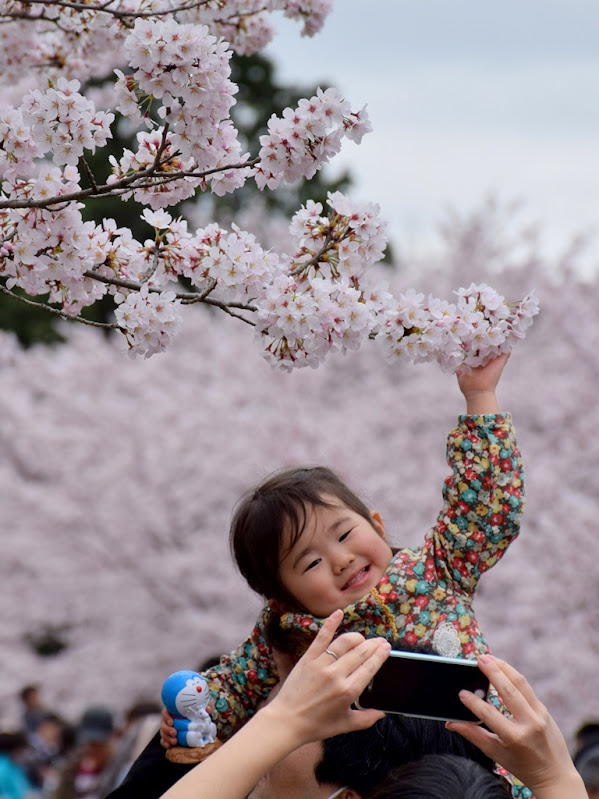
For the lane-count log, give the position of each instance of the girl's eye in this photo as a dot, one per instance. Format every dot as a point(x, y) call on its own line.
point(344, 536)
point(314, 563)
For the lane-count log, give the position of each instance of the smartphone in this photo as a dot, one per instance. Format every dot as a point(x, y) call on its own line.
point(427, 686)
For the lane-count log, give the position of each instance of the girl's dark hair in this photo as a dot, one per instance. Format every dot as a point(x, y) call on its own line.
point(441, 777)
point(269, 519)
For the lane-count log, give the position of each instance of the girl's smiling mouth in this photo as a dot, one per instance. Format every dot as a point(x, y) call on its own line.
point(357, 578)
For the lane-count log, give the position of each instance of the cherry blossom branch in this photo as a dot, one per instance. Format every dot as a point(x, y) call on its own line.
point(57, 311)
point(104, 9)
point(122, 185)
point(186, 297)
point(89, 174)
point(329, 242)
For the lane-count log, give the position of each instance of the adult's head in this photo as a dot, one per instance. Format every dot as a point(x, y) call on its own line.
point(354, 763)
point(586, 735)
point(587, 765)
point(441, 777)
point(362, 759)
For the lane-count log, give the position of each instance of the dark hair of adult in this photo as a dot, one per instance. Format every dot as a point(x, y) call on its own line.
point(441, 777)
point(587, 765)
point(587, 734)
point(362, 759)
point(269, 519)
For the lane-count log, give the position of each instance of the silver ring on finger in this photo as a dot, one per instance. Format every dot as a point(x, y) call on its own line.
point(334, 654)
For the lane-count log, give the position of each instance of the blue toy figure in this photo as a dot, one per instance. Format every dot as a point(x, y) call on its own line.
point(185, 695)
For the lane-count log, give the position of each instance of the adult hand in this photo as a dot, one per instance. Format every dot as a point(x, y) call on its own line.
point(317, 695)
point(314, 702)
point(530, 744)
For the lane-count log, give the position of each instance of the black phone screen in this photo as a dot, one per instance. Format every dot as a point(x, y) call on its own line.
point(424, 686)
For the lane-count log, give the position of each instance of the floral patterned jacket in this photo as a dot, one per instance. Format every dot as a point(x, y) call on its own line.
point(423, 587)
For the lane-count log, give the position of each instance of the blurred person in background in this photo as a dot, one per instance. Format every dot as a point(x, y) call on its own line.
point(142, 721)
point(33, 707)
point(47, 750)
point(14, 782)
point(94, 747)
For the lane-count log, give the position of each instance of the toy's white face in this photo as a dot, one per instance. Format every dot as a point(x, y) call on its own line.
point(193, 698)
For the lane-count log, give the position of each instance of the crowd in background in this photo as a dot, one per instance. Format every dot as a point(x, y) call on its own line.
point(49, 757)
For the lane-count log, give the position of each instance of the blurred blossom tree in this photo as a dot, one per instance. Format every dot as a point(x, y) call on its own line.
point(176, 94)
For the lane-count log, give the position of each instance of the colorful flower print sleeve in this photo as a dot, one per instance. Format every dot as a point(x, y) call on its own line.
point(483, 499)
point(241, 680)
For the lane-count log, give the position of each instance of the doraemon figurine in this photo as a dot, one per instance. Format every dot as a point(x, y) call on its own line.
point(185, 695)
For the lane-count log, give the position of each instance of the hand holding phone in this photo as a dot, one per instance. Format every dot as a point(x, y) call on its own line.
point(427, 686)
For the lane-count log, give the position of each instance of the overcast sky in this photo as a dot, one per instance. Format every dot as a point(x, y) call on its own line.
point(466, 98)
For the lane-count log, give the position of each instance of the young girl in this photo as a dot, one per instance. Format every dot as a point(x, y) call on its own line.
point(309, 546)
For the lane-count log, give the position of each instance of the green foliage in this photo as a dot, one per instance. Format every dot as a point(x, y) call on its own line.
point(31, 325)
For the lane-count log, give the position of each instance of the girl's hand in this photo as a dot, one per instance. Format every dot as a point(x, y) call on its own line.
point(316, 697)
point(530, 744)
point(478, 386)
point(168, 734)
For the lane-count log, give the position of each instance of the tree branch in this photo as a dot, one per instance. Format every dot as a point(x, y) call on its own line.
point(186, 297)
point(104, 9)
point(303, 267)
point(63, 314)
point(118, 187)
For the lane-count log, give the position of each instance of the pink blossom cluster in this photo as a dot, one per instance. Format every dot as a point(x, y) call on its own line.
point(300, 322)
point(304, 305)
point(18, 150)
point(320, 306)
point(323, 305)
point(87, 42)
point(230, 266)
point(187, 70)
point(464, 334)
point(64, 122)
point(312, 12)
point(149, 320)
point(347, 242)
point(157, 152)
point(46, 251)
point(307, 137)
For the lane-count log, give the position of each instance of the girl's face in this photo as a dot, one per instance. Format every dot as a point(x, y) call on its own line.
point(338, 559)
